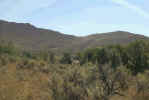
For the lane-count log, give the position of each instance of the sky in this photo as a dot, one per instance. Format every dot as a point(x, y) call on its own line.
point(80, 17)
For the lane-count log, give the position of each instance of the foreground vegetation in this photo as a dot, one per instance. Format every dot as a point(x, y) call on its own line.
point(104, 73)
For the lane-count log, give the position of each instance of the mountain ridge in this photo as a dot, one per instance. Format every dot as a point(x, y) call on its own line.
point(31, 37)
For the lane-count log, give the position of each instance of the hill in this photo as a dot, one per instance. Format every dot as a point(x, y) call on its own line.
point(30, 37)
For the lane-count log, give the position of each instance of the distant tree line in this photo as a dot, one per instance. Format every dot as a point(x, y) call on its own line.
point(134, 56)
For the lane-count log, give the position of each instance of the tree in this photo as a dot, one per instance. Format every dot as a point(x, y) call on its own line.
point(102, 56)
point(52, 57)
point(115, 57)
point(138, 60)
point(66, 59)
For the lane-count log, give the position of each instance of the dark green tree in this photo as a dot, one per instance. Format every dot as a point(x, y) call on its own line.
point(66, 59)
point(138, 60)
point(102, 56)
point(52, 57)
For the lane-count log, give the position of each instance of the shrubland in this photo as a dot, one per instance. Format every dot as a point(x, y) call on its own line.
point(115, 72)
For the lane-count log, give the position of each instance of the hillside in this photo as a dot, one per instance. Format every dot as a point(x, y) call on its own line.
point(30, 37)
point(117, 37)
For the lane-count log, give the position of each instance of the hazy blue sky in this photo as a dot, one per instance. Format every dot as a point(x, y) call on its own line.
point(80, 17)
